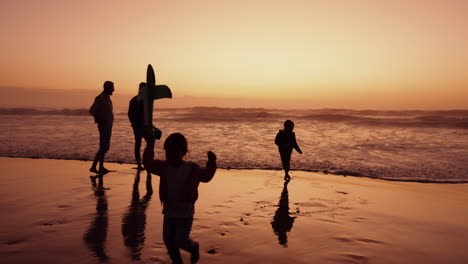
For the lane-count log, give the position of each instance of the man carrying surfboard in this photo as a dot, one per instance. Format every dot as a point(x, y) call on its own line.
point(136, 117)
point(102, 111)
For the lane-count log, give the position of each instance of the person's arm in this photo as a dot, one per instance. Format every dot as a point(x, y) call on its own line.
point(96, 109)
point(152, 165)
point(207, 173)
point(131, 111)
point(295, 145)
point(277, 138)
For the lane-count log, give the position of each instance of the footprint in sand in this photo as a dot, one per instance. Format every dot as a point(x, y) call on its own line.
point(359, 219)
point(337, 214)
point(213, 251)
point(229, 224)
point(343, 239)
point(14, 242)
point(265, 203)
point(356, 258)
point(328, 221)
point(371, 241)
point(64, 206)
point(212, 213)
point(349, 258)
point(55, 222)
point(221, 206)
point(224, 233)
point(313, 204)
point(362, 240)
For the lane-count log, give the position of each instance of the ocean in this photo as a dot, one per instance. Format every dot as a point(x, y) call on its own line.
point(411, 145)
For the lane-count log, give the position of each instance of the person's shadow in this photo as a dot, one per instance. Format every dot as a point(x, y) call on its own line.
point(134, 220)
point(282, 221)
point(95, 236)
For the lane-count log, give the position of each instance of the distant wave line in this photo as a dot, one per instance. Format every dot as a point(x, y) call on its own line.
point(35, 111)
point(411, 118)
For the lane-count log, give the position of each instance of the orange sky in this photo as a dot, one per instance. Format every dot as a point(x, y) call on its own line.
point(361, 54)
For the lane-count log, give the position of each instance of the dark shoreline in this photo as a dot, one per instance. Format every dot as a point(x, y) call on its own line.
point(333, 173)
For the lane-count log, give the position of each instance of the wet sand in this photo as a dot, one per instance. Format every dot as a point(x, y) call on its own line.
point(49, 215)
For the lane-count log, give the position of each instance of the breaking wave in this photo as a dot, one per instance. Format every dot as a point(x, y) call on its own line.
point(418, 121)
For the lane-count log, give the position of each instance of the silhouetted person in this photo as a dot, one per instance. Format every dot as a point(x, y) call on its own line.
point(178, 191)
point(95, 236)
point(134, 220)
point(286, 141)
point(282, 221)
point(103, 115)
point(136, 117)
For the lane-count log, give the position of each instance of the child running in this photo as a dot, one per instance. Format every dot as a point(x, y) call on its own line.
point(178, 192)
point(286, 142)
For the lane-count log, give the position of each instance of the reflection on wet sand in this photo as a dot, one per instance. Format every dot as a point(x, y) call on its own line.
point(282, 221)
point(134, 220)
point(95, 236)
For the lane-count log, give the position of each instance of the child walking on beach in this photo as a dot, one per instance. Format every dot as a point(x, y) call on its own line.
point(286, 142)
point(178, 191)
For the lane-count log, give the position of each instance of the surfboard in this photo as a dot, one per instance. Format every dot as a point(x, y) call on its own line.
point(148, 94)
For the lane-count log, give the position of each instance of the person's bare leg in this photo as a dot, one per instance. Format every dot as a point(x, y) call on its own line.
point(286, 160)
point(286, 173)
point(286, 170)
point(137, 152)
point(102, 170)
point(97, 159)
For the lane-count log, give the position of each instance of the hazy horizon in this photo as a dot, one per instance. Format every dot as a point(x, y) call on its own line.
point(12, 97)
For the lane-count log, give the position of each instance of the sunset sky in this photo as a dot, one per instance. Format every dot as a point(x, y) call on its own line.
point(338, 53)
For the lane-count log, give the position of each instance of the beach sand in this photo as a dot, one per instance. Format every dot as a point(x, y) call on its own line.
point(242, 216)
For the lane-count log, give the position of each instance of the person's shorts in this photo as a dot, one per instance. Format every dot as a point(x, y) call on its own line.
point(105, 133)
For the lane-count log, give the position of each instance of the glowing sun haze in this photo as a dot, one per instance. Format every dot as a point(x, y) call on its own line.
point(368, 53)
